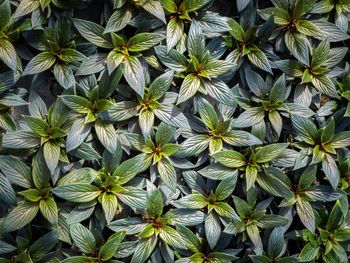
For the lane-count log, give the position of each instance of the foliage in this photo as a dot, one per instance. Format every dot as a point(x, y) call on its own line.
point(181, 131)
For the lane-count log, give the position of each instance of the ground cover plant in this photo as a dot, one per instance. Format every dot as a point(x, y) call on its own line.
point(203, 131)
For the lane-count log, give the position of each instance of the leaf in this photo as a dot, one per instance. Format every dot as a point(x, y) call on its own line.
point(43, 245)
point(20, 140)
point(325, 85)
point(230, 158)
point(175, 30)
point(259, 59)
point(7, 194)
point(146, 122)
point(40, 63)
point(83, 238)
point(269, 152)
point(250, 117)
point(305, 129)
point(331, 170)
point(309, 252)
point(172, 237)
point(49, 210)
point(109, 205)
point(172, 59)
point(155, 8)
point(106, 134)
point(306, 214)
point(299, 46)
point(167, 173)
point(144, 41)
point(26, 7)
point(20, 216)
point(111, 246)
point(144, 249)
point(16, 171)
point(215, 68)
point(274, 186)
point(77, 134)
point(330, 31)
point(7, 51)
point(64, 75)
point(236, 30)
point(212, 229)
point(51, 153)
point(5, 14)
point(79, 193)
point(155, 204)
point(92, 32)
point(171, 115)
point(118, 20)
point(134, 74)
point(189, 88)
point(129, 168)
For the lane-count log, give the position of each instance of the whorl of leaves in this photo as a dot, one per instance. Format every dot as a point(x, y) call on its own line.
point(174, 131)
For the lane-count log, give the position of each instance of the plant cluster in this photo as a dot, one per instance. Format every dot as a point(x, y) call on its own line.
point(186, 131)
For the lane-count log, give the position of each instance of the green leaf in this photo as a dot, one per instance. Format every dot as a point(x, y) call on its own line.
point(193, 5)
point(144, 249)
point(171, 237)
point(305, 129)
point(118, 20)
point(134, 74)
point(250, 117)
point(49, 210)
point(106, 134)
point(64, 75)
point(51, 153)
point(236, 30)
point(7, 194)
point(306, 214)
point(129, 168)
point(215, 68)
point(109, 205)
point(212, 229)
point(155, 8)
point(16, 171)
point(43, 245)
point(230, 158)
point(160, 85)
point(26, 7)
point(189, 88)
point(114, 59)
point(167, 173)
point(77, 134)
point(83, 238)
point(175, 30)
point(309, 252)
point(108, 250)
point(93, 33)
point(79, 193)
point(331, 170)
point(7, 51)
point(271, 221)
point(5, 14)
point(325, 85)
point(155, 204)
point(259, 59)
point(251, 174)
point(20, 216)
point(298, 45)
point(269, 152)
point(144, 41)
point(146, 122)
point(172, 59)
point(40, 63)
point(76, 103)
point(274, 186)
